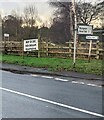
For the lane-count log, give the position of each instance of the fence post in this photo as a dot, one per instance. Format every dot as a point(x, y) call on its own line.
point(22, 49)
point(79, 45)
point(70, 51)
point(38, 46)
point(47, 48)
point(97, 50)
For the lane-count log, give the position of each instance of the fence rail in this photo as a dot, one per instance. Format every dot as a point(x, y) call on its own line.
point(52, 50)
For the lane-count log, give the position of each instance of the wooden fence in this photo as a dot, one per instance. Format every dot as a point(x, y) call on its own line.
point(48, 49)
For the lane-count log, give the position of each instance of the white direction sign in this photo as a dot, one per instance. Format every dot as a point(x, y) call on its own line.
point(6, 35)
point(31, 45)
point(92, 37)
point(85, 29)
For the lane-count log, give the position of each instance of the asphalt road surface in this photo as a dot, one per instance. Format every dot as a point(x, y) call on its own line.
point(38, 96)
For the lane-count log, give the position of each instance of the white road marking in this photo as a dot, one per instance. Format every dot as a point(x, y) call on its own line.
point(74, 82)
point(52, 102)
point(34, 75)
point(64, 80)
point(93, 85)
point(47, 77)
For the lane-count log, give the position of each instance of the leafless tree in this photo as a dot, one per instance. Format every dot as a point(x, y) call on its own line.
point(30, 15)
point(86, 11)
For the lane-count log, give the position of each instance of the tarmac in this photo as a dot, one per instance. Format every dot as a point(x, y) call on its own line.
point(43, 71)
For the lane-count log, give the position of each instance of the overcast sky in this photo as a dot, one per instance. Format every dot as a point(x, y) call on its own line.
point(44, 9)
point(42, 6)
point(6, 6)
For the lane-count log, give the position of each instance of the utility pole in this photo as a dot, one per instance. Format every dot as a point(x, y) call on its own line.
point(75, 32)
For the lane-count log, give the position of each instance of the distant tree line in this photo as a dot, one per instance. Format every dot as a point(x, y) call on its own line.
point(62, 26)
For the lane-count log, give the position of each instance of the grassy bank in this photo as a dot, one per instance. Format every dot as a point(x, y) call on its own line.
point(56, 64)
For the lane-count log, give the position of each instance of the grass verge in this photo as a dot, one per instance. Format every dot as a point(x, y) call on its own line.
point(56, 64)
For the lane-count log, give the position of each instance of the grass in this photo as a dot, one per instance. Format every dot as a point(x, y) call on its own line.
point(56, 64)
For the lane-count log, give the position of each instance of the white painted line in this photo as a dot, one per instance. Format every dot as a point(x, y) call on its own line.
point(52, 102)
point(47, 77)
point(93, 85)
point(86, 84)
point(59, 79)
point(34, 75)
point(74, 82)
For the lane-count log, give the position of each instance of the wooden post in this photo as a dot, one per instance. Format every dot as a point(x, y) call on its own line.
point(22, 48)
point(97, 49)
point(79, 44)
point(89, 56)
point(4, 45)
point(38, 46)
point(47, 49)
point(70, 51)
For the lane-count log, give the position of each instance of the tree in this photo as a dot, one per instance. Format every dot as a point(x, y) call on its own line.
point(30, 30)
point(87, 11)
point(64, 20)
point(12, 26)
point(30, 15)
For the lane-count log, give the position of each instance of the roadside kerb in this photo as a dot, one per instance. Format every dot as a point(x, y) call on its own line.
point(29, 70)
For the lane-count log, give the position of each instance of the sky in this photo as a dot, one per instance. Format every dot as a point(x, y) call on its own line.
point(6, 6)
point(45, 11)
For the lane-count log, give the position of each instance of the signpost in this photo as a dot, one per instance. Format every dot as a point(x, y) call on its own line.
point(5, 36)
point(91, 38)
point(85, 29)
point(89, 55)
point(75, 32)
point(31, 45)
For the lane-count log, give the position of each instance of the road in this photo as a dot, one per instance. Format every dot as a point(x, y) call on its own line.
point(38, 96)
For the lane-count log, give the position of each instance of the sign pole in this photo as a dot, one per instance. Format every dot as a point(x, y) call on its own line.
point(75, 33)
point(90, 51)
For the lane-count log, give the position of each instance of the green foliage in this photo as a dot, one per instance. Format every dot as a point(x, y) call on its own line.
point(56, 64)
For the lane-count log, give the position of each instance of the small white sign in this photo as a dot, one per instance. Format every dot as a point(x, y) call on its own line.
point(6, 35)
point(92, 37)
point(85, 29)
point(31, 45)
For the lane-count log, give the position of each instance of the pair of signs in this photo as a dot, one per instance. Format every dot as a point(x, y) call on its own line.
point(87, 30)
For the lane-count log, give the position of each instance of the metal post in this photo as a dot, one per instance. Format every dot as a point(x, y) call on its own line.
point(75, 32)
